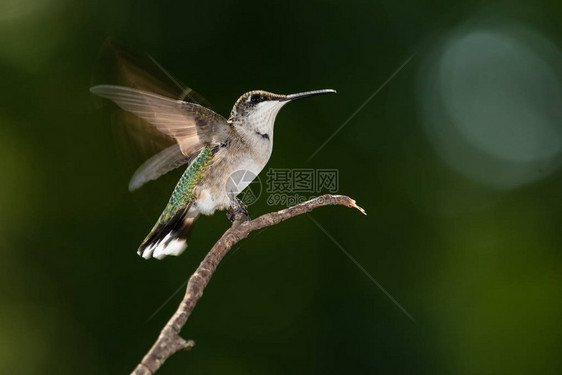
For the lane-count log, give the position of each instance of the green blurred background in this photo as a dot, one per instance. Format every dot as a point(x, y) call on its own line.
point(456, 161)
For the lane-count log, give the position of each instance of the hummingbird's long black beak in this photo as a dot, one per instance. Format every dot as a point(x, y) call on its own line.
point(301, 95)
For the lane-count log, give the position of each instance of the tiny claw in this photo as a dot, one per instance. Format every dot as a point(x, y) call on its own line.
point(238, 207)
point(231, 214)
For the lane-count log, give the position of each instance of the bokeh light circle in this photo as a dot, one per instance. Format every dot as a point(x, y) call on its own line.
point(492, 104)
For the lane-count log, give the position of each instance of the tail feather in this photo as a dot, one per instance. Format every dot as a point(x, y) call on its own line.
point(169, 238)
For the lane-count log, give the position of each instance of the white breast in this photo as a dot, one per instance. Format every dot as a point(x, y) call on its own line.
point(234, 180)
point(246, 172)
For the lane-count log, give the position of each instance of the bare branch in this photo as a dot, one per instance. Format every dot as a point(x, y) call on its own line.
point(169, 341)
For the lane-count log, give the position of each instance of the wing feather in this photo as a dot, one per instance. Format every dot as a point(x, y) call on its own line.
point(161, 163)
point(192, 125)
point(161, 105)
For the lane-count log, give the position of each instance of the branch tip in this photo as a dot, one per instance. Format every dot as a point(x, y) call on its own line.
point(354, 205)
point(189, 344)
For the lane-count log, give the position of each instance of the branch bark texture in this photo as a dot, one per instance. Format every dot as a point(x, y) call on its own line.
point(169, 341)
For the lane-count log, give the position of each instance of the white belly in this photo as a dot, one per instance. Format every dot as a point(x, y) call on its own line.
point(232, 183)
point(208, 202)
point(242, 176)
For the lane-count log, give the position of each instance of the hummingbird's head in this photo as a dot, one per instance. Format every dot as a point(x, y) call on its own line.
point(256, 110)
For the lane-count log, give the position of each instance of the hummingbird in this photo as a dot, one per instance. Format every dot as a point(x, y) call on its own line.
point(213, 148)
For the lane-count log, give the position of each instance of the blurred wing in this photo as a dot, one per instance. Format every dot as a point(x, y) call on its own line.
point(118, 65)
point(154, 119)
point(158, 165)
point(190, 124)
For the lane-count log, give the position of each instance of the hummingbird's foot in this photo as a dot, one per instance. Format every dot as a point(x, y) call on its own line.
point(231, 214)
point(237, 207)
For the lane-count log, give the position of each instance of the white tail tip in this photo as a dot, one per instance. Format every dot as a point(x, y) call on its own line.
point(165, 247)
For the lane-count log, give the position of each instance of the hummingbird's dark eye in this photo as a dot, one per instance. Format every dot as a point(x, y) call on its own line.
point(256, 98)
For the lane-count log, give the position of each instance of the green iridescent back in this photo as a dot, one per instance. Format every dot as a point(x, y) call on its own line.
point(183, 192)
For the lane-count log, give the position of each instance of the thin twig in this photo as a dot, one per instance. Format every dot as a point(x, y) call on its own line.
point(169, 341)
